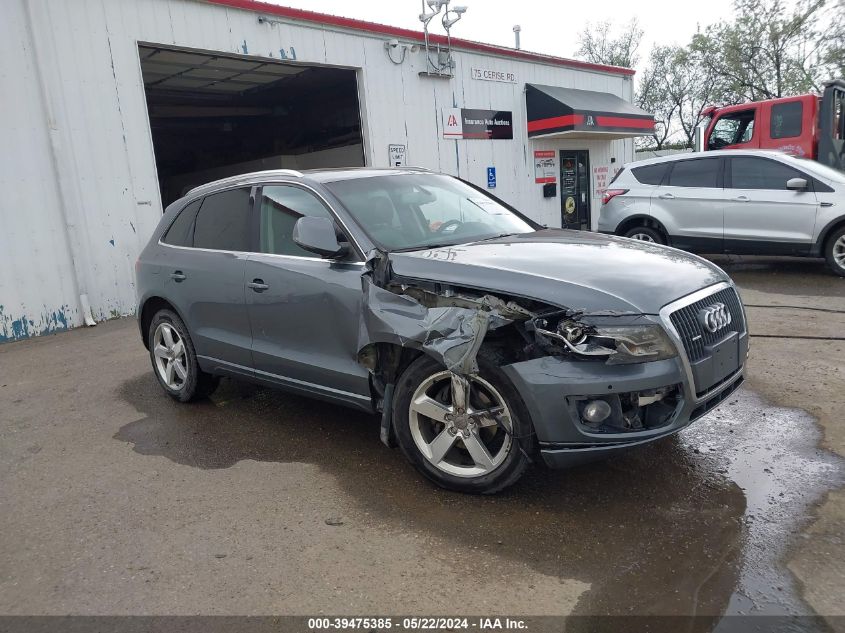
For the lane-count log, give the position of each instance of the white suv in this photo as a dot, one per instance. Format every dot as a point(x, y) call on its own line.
point(733, 201)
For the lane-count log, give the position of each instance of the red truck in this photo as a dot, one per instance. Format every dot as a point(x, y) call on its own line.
point(808, 126)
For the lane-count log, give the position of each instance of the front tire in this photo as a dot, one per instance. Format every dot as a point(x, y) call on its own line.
point(645, 234)
point(834, 252)
point(467, 434)
point(175, 360)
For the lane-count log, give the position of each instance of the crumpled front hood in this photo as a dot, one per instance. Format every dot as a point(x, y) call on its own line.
point(573, 269)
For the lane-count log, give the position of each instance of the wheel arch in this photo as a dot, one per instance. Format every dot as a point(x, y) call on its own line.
point(147, 311)
point(831, 228)
point(641, 220)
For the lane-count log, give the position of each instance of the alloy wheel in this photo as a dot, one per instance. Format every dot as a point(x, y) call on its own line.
point(460, 425)
point(839, 252)
point(643, 237)
point(171, 359)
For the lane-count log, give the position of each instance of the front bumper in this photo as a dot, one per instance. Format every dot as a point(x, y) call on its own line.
point(550, 385)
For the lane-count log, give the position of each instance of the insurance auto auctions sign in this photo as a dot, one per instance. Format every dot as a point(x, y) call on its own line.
point(477, 124)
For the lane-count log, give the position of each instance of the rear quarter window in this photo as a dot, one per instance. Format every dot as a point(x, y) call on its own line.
point(181, 231)
point(616, 175)
point(651, 174)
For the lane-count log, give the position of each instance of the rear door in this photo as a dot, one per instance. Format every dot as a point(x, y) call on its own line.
point(692, 201)
point(762, 216)
point(204, 279)
point(304, 310)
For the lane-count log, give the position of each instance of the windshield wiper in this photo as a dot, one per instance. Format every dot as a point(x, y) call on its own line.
point(421, 247)
point(496, 237)
point(445, 244)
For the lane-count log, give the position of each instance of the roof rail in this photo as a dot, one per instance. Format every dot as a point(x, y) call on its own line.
point(247, 176)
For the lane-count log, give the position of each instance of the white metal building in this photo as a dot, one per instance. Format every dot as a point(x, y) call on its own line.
point(112, 109)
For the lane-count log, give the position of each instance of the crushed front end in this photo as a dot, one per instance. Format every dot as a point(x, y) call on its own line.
point(584, 408)
point(592, 382)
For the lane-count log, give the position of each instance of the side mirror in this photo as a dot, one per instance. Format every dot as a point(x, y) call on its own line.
point(797, 184)
point(318, 235)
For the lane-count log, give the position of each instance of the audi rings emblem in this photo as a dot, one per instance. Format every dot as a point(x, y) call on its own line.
point(715, 317)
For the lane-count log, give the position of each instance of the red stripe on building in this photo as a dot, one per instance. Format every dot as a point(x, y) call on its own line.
point(601, 121)
point(618, 121)
point(394, 31)
point(555, 121)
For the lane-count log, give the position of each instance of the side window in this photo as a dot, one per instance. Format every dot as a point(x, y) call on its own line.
point(732, 129)
point(281, 207)
point(223, 221)
point(651, 174)
point(700, 172)
point(748, 172)
point(786, 119)
point(181, 229)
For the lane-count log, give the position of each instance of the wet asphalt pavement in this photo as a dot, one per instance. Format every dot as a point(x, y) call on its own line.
point(118, 500)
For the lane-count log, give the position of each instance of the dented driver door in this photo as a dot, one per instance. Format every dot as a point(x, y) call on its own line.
point(304, 311)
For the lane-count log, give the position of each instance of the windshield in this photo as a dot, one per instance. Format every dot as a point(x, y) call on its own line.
point(413, 211)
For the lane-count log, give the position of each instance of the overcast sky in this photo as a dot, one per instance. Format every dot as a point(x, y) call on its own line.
point(548, 26)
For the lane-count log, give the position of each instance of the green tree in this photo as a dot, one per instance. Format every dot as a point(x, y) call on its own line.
point(675, 87)
point(598, 45)
point(653, 96)
point(773, 49)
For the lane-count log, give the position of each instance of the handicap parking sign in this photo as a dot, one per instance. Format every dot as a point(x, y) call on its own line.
point(491, 177)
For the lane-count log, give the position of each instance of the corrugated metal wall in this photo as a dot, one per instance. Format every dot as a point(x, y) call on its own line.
point(80, 195)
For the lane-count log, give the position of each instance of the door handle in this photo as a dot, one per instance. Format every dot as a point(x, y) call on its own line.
point(666, 196)
point(258, 285)
point(178, 275)
point(741, 199)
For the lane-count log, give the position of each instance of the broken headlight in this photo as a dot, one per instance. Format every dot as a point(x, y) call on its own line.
point(635, 343)
point(617, 344)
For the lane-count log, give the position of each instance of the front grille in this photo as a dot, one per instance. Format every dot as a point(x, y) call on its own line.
point(696, 337)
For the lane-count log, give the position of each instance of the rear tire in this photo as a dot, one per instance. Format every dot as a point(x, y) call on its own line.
point(175, 360)
point(646, 234)
point(459, 446)
point(834, 252)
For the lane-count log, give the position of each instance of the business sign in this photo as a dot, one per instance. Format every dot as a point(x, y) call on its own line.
point(545, 166)
point(491, 74)
point(491, 177)
point(600, 179)
point(472, 124)
point(397, 155)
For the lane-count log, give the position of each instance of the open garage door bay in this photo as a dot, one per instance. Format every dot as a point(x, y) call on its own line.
point(213, 116)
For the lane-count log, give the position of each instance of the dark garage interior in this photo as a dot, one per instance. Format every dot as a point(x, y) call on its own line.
point(215, 115)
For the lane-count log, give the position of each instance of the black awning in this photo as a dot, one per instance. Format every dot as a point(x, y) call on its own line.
point(554, 111)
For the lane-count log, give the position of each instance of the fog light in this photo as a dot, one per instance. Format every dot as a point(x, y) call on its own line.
point(596, 411)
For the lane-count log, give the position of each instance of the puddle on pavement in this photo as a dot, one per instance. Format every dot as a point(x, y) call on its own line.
point(697, 523)
point(773, 455)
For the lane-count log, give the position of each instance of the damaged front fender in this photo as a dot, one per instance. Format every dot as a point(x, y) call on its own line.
point(451, 334)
